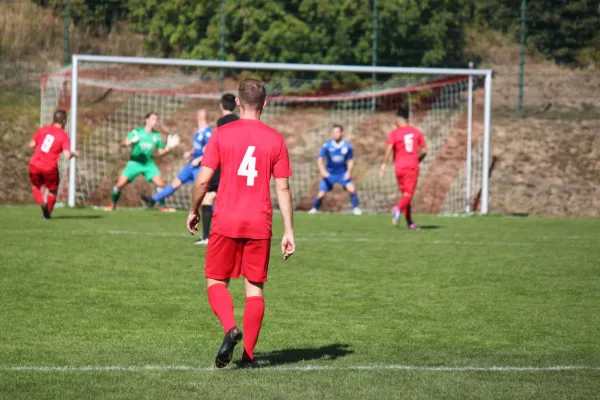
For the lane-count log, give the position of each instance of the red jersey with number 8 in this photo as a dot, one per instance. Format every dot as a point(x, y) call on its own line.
point(249, 153)
point(407, 140)
point(50, 142)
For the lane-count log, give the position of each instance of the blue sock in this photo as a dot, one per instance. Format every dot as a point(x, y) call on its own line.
point(354, 200)
point(164, 193)
point(317, 203)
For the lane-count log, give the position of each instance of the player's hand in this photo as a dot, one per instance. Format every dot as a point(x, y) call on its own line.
point(193, 220)
point(382, 171)
point(75, 154)
point(325, 174)
point(173, 140)
point(195, 162)
point(347, 176)
point(288, 246)
point(133, 140)
point(188, 154)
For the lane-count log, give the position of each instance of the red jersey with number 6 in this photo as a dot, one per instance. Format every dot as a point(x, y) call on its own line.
point(249, 153)
point(50, 141)
point(407, 140)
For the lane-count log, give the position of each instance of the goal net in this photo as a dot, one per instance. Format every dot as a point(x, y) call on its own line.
point(113, 98)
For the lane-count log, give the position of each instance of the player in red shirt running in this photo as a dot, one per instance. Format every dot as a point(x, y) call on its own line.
point(48, 142)
point(249, 153)
point(408, 145)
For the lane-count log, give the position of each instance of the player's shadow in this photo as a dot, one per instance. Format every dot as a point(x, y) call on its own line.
point(290, 356)
point(77, 216)
point(430, 227)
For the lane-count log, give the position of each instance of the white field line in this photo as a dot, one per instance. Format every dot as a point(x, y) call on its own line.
point(328, 238)
point(299, 368)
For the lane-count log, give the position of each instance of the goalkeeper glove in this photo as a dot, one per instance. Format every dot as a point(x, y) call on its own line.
point(172, 141)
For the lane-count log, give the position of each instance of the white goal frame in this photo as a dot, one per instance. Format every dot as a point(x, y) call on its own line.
point(470, 72)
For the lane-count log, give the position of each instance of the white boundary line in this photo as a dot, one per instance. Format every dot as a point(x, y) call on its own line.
point(300, 368)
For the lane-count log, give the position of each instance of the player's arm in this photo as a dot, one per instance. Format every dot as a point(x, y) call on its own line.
point(196, 161)
point(132, 137)
point(284, 197)
point(422, 148)
point(34, 139)
point(349, 163)
point(321, 162)
point(386, 158)
point(200, 187)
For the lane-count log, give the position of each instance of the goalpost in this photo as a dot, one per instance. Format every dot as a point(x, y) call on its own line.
point(106, 97)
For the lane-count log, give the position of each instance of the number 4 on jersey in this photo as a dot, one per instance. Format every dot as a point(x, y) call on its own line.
point(248, 166)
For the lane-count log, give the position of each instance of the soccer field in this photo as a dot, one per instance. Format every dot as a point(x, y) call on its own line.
point(112, 305)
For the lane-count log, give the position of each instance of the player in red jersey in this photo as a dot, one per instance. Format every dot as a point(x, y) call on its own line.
point(49, 141)
point(408, 145)
point(249, 153)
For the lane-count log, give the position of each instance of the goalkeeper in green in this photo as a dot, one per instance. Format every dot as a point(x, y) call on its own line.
point(144, 141)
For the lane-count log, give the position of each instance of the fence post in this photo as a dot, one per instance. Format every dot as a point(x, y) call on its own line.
point(66, 32)
point(522, 57)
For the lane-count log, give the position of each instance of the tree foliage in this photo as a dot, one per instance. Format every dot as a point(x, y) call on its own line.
point(410, 32)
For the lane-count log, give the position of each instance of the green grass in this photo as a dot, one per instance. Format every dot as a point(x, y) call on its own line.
point(126, 289)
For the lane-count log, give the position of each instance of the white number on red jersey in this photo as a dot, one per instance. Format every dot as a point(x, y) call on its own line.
point(408, 142)
point(47, 143)
point(248, 166)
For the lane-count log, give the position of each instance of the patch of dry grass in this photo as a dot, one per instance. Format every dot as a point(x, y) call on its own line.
point(31, 32)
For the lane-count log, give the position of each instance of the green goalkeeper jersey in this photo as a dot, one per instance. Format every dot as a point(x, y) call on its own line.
point(143, 150)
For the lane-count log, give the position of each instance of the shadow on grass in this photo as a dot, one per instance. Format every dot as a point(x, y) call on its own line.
point(77, 216)
point(430, 227)
point(290, 356)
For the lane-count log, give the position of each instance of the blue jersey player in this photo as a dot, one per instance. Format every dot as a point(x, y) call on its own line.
point(189, 172)
point(335, 161)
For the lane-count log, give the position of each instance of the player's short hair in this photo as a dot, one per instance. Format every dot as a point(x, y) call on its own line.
point(338, 126)
point(252, 94)
point(59, 117)
point(403, 113)
point(151, 113)
point(228, 102)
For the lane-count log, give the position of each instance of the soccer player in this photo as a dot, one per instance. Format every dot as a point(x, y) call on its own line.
point(49, 142)
point(249, 153)
point(227, 105)
point(144, 141)
point(408, 145)
point(340, 161)
point(189, 172)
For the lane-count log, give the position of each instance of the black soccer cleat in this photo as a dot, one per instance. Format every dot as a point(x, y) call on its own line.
point(225, 353)
point(251, 364)
point(45, 211)
point(148, 200)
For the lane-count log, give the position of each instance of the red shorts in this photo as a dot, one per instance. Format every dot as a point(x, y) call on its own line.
point(50, 178)
point(232, 257)
point(407, 179)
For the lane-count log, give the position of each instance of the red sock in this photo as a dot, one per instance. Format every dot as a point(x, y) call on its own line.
point(222, 305)
point(253, 316)
point(37, 195)
point(51, 201)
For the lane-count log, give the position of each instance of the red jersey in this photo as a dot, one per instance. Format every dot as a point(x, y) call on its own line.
point(249, 153)
point(50, 141)
point(407, 140)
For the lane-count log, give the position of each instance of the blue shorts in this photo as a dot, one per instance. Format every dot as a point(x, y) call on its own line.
point(327, 183)
point(188, 174)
